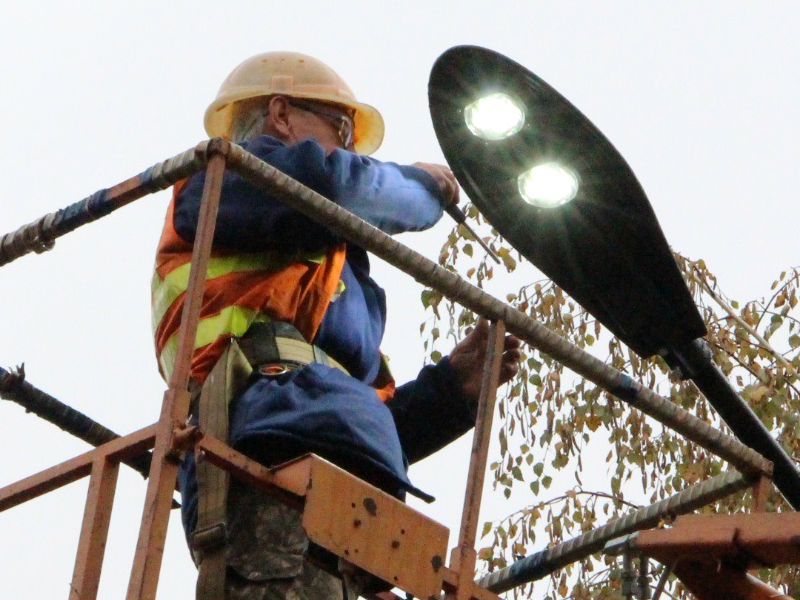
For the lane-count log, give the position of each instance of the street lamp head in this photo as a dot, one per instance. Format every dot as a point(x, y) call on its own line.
point(556, 189)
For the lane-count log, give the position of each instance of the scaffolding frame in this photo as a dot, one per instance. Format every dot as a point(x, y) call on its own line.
point(170, 437)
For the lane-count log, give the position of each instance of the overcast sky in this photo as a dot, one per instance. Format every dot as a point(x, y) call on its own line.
point(700, 97)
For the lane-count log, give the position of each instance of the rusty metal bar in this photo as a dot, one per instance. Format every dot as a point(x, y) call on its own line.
point(40, 235)
point(94, 530)
point(292, 481)
point(175, 408)
point(458, 290)
point(463, 556)
point(75, 468)
point(760, 493)
point(452, 584)
point(539, 565)
point(13, 387)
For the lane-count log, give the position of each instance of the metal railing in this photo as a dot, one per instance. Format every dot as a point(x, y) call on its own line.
point(216, 156)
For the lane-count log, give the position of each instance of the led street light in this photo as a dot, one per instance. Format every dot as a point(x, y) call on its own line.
point(548, 185)
point(494, 117)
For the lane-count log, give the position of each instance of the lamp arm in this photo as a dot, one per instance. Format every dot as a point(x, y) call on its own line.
point(695, 362)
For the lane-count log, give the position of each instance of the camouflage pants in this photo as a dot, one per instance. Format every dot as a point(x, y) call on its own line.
point(266, 552)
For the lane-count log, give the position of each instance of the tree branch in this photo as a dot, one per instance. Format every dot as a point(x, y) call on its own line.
point(724, 305)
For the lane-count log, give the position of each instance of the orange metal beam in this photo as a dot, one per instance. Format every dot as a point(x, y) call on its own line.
point(712, 581)
point(463, 556)
point(60, 475)
point(292, 477)
point(743, 539)
point(453, 584)
point(175, 407)
point(94, 530)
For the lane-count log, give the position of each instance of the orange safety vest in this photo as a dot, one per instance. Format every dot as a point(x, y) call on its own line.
point(241, 289)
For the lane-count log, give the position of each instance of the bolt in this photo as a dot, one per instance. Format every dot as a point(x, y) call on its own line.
point(437, 563)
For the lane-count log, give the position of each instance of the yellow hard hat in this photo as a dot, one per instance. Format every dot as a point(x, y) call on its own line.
point(298, 76)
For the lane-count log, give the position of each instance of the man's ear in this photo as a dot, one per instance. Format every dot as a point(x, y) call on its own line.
point(276, 122)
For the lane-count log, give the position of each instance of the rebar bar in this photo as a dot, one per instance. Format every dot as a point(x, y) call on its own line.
point(13, 387)
point(527, 329)
point(541, 564)
point(40, 235)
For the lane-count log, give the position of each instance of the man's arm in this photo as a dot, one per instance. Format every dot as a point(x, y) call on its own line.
point(439, 406)
point(392, 197)
point(431, 411)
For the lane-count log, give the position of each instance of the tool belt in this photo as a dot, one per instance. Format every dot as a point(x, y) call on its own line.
point(276, 347)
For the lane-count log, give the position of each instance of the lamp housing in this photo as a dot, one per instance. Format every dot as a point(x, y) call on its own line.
point(603, 245)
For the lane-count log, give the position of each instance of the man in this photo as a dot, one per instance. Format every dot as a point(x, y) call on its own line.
point(305, 313)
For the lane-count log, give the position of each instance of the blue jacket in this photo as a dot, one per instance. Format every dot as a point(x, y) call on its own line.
point(318, 409)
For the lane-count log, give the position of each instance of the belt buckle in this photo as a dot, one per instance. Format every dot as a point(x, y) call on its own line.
point(273, 370)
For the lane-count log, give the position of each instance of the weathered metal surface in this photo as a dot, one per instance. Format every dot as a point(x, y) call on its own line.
point(472, 590)
point(75, 468)
point(13, 387)
point(40, 235)
point(94, 530)
point(175, 408)
point(541, 564)
point(463, 556)
point(760, 539)
point(761, 493)
point(374, 531)
point(458, 290)
point(713, 581)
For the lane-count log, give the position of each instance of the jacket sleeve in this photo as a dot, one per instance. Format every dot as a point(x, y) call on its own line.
point(430, 412)
point(392, 197)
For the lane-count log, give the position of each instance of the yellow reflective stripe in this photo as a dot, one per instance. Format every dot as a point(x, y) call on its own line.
point(164, 292)
point(340, 287)
point(233, 321)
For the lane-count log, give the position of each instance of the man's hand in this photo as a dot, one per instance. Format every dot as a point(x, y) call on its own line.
point(468, 356)
point(444, 178)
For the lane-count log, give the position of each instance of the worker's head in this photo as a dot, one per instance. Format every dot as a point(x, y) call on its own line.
point(291, 120)
point(291, 96)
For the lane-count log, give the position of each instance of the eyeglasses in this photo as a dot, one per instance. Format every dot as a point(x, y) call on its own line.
point(343, 123)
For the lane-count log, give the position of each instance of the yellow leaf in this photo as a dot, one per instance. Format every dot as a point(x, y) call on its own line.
point(759, 392)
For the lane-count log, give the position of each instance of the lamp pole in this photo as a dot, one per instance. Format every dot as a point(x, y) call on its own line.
point(694, 362)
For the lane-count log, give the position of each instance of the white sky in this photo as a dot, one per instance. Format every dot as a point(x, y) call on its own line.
point(700, 98)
